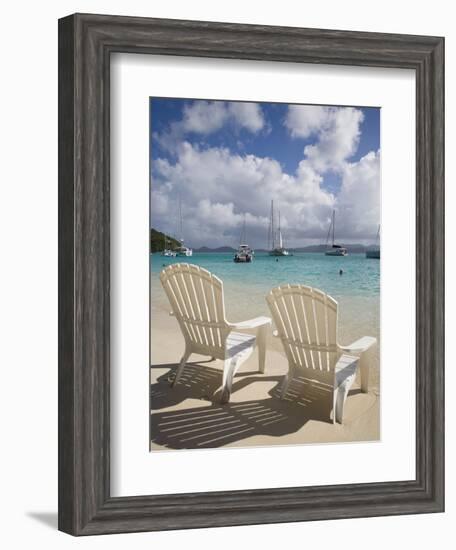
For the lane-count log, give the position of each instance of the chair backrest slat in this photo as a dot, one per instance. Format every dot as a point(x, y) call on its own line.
point(207, 288)
point(196, 298)
point(189, 277)
point(313, 327)
point(319, 307)
point(282, 321)
point(310, 363)
point(306, 320)
point(331, 321)
point(185, 287)
point(205, 312)
point(179, 305)
point(296, 329)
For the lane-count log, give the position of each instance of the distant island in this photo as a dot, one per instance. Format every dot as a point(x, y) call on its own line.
point(220, 249)
point(157, 244)
point(353, 248)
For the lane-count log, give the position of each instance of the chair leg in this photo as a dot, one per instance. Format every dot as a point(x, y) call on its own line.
point(339, 402)
point(364, 370)
point(332, 411)
point(180, 368)
point(229, 371)
point(285, 383)
point(261, 342)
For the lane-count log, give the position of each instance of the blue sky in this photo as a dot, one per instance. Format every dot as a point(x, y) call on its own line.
point(227, 160)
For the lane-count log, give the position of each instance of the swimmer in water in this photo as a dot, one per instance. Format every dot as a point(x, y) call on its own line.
point(341, 271)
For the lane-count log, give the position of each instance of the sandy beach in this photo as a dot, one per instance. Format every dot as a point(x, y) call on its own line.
point(190, 415)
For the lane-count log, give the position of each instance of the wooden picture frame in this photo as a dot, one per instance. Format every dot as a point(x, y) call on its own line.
point(85, 45)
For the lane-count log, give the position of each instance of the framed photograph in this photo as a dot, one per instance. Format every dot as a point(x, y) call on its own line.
point(254, 187)
point(251, 274)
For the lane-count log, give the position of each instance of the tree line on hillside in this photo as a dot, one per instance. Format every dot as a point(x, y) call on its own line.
point(157, 241)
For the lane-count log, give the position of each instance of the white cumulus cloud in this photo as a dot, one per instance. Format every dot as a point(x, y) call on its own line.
point(247, 115)
point(206, 117)
point(217, 187)
point(358, 202)
point(337, 132)
point(304, 120)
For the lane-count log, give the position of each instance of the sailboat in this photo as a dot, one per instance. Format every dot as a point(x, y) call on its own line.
point(166, 250)
point(244, 253)
point(182, 250)
point(275, 239)
point(374, 251)
point(334, 249)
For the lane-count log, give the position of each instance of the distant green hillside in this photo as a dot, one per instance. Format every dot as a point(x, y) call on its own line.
point(157, 241)
point(218, 250)
point(353, 248)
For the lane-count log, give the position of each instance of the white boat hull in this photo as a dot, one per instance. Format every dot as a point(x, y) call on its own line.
point(242, 259)
point(337, 252)
point(279, 252)
point(336, 249)
point(244, 255)
point(183, 251)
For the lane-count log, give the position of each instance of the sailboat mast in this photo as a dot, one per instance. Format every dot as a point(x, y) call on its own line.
point(328, 235)
point(272, 225)
point(181, 229)
point(333, 225)
point(243, 238)
point(280, 234)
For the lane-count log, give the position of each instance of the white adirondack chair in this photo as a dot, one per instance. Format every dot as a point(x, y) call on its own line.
point(197, 302)
point(306, 321)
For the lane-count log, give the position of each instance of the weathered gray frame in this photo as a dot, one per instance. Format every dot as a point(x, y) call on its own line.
point(85, 45)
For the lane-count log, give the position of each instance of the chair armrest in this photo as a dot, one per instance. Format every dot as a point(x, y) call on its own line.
point(363, 344)
point(251, 323)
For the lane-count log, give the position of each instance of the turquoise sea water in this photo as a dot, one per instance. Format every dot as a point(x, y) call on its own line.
point(357, 290)
point(361, 276)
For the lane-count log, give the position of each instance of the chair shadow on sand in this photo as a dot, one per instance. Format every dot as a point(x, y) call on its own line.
point(217, 425)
